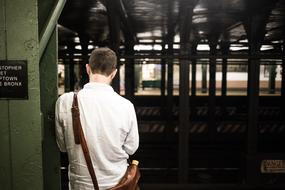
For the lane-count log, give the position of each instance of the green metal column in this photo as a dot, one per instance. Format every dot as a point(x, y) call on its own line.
point(48, 13)
point(21, 132)
point(5, 158)
point(29, 156)
point(48, 79)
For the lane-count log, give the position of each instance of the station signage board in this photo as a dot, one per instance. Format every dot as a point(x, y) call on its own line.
point(273, 166)
point(13, 79)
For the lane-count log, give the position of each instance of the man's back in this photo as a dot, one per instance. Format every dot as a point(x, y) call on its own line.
point(110, 127)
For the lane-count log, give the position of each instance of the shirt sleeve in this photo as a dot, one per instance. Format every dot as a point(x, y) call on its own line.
point(59, 126)
point(132, 139)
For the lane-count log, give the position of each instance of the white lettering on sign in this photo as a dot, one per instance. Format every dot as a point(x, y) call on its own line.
point(6, 79)
point(10, 68)
point(12, 83)
point(13, 79)
point(3, 73)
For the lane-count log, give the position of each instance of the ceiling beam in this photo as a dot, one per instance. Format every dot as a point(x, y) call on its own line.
point(127, 27)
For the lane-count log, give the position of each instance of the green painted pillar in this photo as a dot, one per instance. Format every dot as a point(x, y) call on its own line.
point(48, 78)
point(5, 158)
point(48, 96)
point(29, 158)
point(21, 126)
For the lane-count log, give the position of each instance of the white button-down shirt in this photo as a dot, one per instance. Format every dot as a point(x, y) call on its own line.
point(110, 127)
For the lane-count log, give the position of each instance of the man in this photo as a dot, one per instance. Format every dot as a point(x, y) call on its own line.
point(108, 121)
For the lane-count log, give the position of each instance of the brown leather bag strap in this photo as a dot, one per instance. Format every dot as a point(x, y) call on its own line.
point(79, 137)
point(75, 119)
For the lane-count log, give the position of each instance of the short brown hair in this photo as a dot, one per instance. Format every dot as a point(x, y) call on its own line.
point(103, 61)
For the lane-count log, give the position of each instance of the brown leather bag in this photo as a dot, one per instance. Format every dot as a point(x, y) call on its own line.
point(132, 175)
point(130, 179)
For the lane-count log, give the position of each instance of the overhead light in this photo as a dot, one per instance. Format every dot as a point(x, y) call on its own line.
point(78, 47)
point(266, 47)
point(144, 34)
point(91, 47)
point(176, 46)
point(276, 42)
point(157, 47)
point(62, 47)
point(76, 39)
point(142, 47)
point(235, 48)
point(203, 47)
point(198, 9)
point(145, 40)
point(199, 19)
point(177, 38)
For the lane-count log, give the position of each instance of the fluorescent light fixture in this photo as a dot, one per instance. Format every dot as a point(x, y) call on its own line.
point(146, 41)
point(157, 47)
point(203, 47)
point(78, 47)
point(234, 48)
point(177, 38)
point(145, 34)
point(199, 19)
point(142, 47)
point(176, 46)
point(276, 42)
point(62, 47)
point(91, 47)
point(199, 8)
point(266, 47)
point(76, 39)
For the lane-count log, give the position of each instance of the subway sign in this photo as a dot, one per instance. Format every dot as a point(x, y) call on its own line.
point(13, 79)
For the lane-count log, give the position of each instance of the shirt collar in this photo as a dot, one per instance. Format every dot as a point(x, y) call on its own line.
point(98, 85)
